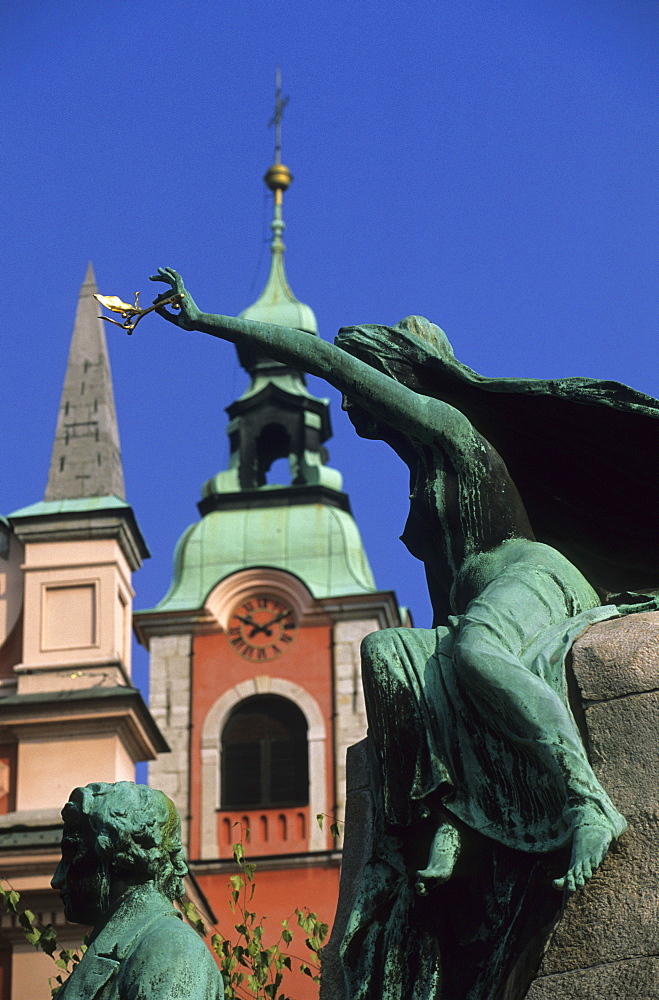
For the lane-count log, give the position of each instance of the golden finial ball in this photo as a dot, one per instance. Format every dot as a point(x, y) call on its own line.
point(278, 177)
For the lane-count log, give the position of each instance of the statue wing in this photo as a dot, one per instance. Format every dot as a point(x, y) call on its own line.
point(584, 455)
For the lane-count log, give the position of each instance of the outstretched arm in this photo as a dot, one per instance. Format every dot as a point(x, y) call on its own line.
point(420, 417)
point(293, 347)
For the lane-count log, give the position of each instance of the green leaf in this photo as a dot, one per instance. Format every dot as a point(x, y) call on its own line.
point(193, 917)
point(48, 942)
point(238, 852)
point(320, 819)
point(26, 919)
point(305, 921)
point(12, 899)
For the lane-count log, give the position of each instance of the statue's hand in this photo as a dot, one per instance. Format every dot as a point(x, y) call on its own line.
point(189, 313)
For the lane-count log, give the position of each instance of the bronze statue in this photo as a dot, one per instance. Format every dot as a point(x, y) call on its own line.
point(484, 790)
point(122, 866)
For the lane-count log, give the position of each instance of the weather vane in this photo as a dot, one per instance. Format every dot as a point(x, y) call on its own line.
point(280, 104)
point(133, 314)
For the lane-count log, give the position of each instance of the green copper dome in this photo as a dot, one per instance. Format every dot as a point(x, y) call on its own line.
point(277, 304)
point(318, 543)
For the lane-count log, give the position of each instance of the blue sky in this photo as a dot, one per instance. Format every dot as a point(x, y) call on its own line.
point(491, 165)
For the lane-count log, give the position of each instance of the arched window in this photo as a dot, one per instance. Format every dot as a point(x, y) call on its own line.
point(273, 444)
point(265, 761)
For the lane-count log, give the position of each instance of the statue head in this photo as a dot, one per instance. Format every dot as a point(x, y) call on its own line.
point(404, 352)
point(116, 836)
point(411, 352)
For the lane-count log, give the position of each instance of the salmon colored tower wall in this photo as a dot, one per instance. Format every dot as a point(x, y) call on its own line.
point(311, 650)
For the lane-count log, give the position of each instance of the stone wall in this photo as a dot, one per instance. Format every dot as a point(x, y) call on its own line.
point(606, 947)
point(169, 699)
point(350, 711)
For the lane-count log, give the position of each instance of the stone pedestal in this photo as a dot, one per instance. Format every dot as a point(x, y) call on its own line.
point(606, 947)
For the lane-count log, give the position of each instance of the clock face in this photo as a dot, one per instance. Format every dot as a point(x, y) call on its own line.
point(262, 628)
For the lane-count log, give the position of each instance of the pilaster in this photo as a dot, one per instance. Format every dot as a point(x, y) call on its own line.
point(170, 701)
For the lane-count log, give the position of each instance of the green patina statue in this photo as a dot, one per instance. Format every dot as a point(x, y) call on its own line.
point(485, 796)
point(122, 866)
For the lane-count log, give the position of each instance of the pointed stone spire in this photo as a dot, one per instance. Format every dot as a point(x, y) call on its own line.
point(86, 458)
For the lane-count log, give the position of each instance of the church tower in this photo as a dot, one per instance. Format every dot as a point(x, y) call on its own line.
point(254, 650)
point(69, 713)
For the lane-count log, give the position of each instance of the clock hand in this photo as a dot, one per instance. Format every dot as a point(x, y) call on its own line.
point(247, 620)
point(264, 628)
point(278, 618)
point(259, 628)
point(256, 628)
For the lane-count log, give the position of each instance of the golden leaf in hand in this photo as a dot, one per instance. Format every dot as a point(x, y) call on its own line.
point(114, 303)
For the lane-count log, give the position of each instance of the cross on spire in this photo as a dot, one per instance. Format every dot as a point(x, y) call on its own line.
point(280, 104)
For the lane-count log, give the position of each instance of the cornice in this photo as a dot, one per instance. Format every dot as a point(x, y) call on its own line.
point(120, 710)
point(83, 525)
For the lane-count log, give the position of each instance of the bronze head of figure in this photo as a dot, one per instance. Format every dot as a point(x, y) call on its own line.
point(115, 837)
point(122, 867)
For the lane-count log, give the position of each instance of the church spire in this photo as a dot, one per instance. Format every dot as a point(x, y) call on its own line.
point(86, 458)
point(276, 417)
point(298, 520)
point(277, 303)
